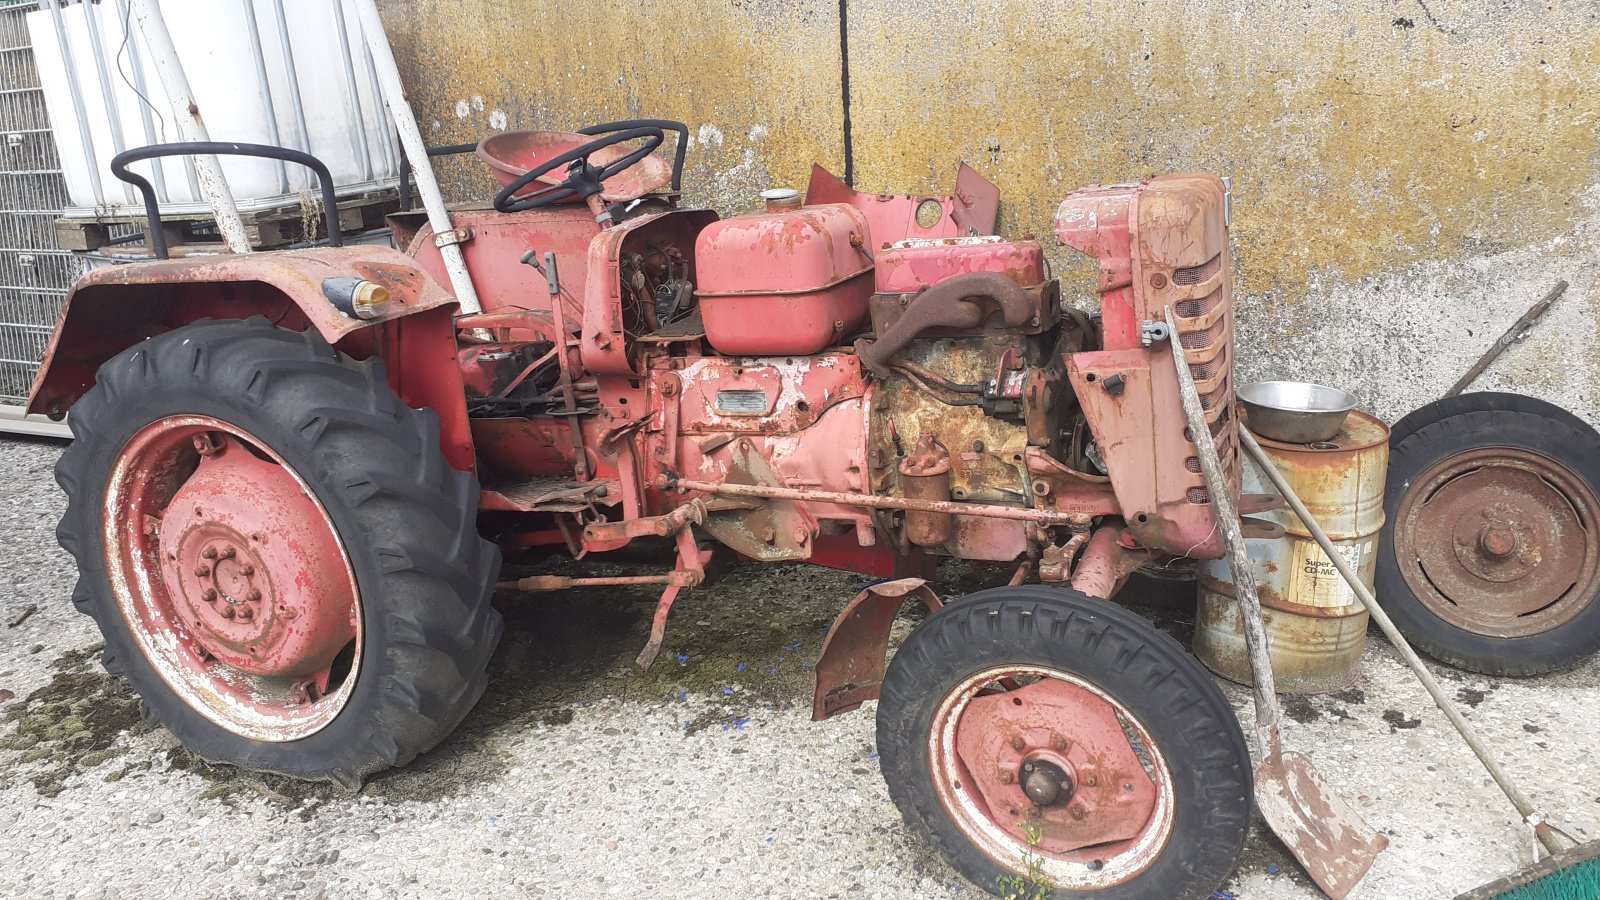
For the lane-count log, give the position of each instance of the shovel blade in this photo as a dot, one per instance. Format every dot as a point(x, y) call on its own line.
point(1329, 838)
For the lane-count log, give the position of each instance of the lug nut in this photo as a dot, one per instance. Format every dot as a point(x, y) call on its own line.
point(253, 596)
point(228, 613)
point(202, 570)
point(209, 553)
point(210, 595)
point(227, 553)
point(245, 614)
point(1018, 743)
point(247, 570)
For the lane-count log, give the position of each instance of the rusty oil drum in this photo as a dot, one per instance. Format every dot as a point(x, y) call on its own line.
point(1316, 628)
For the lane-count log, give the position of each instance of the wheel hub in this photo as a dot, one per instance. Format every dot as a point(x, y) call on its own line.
point(1045, 783)
point(1054, 766)
point(1500, 541)
point(263, 589)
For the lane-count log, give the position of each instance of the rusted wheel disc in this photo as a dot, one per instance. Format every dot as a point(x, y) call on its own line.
point(1500, 541)
point(232, 578)
point(1036, 764)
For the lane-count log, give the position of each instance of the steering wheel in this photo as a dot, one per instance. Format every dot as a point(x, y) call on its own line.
point(583, 179)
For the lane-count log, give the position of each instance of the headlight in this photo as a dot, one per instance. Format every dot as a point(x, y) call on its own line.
point(356, 297)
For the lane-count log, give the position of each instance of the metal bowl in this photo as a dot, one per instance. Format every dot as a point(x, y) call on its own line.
point(1296, 412)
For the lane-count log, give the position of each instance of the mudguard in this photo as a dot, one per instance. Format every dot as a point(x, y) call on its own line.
point(113, 308)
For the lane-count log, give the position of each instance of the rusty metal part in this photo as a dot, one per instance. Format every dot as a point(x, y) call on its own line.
point(692, 566)
point(925, 475)
point(775, 530)
point(1329, 837)
point(958, 302)
point(1160, 243)
point(871, 501)
point(1500, 541)
point(970, 209)
point(232, 579)
point(1513, 334)
point(849, 672)
point(1525, 808)
point(1021, 574)
point(1316, 628)
point(691, 513)
point(1107, 562)
point(562, 582)
point(1057, 561)
point(1038, 762)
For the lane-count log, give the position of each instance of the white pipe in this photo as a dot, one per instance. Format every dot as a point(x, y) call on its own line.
point(405, 121)
point(186, 112)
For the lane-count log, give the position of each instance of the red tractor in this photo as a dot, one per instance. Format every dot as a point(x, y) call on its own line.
point(295, 471)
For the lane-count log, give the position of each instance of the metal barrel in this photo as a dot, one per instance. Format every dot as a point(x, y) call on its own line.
point(1316, 628)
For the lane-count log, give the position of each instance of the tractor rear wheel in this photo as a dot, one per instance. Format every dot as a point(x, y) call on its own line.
point(276, 552)
point(1491, 538)
point(1052, 744)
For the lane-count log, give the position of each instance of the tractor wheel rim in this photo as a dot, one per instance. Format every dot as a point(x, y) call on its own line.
point(1500, 541)
point(232, 578)
point(1046, 773)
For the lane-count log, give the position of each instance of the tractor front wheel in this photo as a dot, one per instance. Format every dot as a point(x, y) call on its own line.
point(276, 552)
point(1055, 745)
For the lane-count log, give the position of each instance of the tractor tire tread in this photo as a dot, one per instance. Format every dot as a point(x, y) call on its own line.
point(1433, 433)
point(376, 465)
point(1146, 670)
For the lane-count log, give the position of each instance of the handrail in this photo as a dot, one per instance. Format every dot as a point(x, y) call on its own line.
point(152, 209)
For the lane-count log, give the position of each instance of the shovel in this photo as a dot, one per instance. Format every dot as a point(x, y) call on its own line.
point(1329, 838)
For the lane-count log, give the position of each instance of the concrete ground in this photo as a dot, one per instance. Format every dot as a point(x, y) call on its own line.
point(578, 776)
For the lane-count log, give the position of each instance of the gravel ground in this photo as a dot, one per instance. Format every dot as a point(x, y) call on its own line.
point(579, 777)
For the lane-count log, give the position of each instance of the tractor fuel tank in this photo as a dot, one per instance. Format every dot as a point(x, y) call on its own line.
point(787, 280)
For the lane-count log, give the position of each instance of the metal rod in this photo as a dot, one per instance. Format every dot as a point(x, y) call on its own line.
point(1524, 806)
point(877, 501)
point(1507, 339)
point(76, 92)
point(1244, 579)
point(360, 131)
point(102, 69)
point(150, 137)
point(265, 84)
point(405, 121)
point(190, 123)
point(296, 101)
point(562, 582)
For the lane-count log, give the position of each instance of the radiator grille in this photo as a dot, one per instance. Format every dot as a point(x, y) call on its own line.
point(1203, 337)
point(1205, 331)
point(1197, 274)
point(1199, 306)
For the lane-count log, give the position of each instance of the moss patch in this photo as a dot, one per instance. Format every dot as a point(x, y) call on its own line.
point(69, 725)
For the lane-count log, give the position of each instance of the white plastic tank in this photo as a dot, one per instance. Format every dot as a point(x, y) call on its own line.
point(290, 73)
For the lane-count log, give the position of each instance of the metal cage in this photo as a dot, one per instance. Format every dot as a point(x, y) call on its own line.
point(34, 274)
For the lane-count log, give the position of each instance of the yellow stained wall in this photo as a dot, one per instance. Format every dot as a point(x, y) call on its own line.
point(756, 80)
point(1361, 136)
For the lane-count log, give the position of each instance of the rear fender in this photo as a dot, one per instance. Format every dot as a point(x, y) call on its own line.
point(113, 308)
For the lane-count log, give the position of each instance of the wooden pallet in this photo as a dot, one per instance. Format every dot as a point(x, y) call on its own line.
point(266, 229)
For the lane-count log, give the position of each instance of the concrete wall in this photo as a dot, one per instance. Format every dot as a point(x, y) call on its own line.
point(1409, 176)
